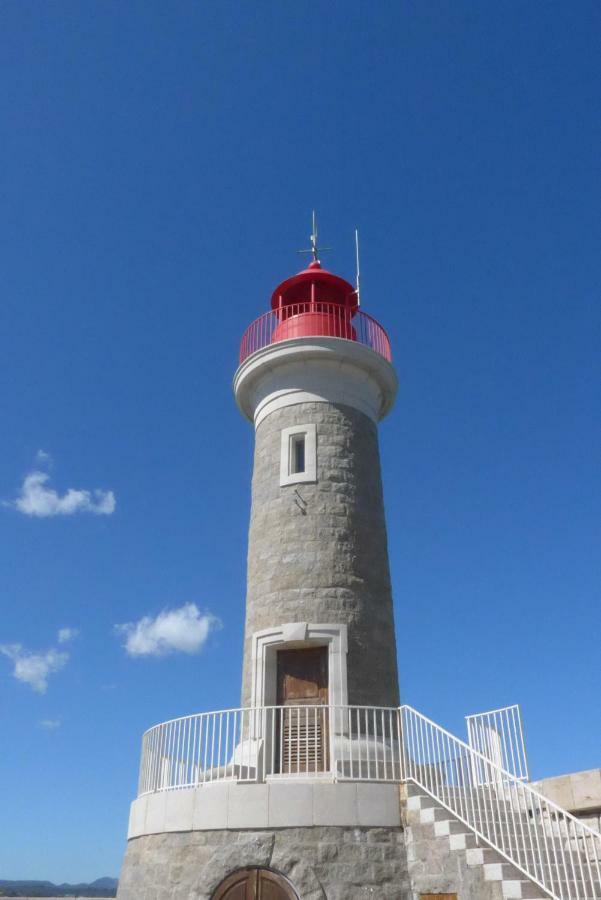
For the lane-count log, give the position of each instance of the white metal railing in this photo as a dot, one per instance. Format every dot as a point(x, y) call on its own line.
point(360, 743)
point(343, 742)
point(544, 841)
point(499, 736)
point(316, 319)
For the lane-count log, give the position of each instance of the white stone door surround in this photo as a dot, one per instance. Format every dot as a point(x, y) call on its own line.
point(296, 635)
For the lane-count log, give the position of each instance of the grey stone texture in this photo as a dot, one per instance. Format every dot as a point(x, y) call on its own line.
point(330, 863)
point(324, 558)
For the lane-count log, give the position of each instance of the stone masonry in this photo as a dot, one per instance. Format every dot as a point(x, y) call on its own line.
point(331, 863)
point(578, 792)
point(324, 558)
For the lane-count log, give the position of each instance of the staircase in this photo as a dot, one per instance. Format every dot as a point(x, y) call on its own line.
point(444, 854)
point(523, 843)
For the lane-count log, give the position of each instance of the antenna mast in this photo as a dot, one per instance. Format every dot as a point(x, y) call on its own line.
point(358, 289)
point(314, 250)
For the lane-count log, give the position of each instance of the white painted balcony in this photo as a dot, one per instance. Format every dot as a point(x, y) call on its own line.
point(253, 745)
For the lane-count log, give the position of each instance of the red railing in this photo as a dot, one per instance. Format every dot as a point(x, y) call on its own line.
point(314, 320)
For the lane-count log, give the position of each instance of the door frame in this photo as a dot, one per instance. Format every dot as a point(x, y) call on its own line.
point(297, 635)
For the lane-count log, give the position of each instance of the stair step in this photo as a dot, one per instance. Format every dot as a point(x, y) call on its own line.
point(514, 889)
point(435, 814)
point(477, 856)
point(498, 871)
point(521, 890)
point(463, 841)
point(450, 826)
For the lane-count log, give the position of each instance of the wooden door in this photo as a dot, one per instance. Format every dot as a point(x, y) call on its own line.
point(438, 896)
point(302, 687)
point(254, 884)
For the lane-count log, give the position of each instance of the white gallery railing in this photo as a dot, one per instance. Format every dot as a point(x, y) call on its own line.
point(346, 742)
point(499, 736)
point(356, 743)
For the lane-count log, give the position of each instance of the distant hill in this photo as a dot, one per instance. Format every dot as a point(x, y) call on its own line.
point(102, 887)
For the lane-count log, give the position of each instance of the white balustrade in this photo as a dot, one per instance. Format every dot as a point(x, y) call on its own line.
point(343, 742)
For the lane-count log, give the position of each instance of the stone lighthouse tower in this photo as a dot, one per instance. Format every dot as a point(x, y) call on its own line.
point(296, 793)
point(315, 379)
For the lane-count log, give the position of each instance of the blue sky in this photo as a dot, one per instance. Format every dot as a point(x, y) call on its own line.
point(158, 165)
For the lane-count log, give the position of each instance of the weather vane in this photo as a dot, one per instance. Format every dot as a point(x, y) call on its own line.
point(315, 250)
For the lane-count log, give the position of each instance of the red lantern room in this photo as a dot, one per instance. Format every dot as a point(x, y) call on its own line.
point(314, 302)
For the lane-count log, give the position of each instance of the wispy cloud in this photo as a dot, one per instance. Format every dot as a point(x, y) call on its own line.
point(36, 498)
point(67, 634)
point(50, 724)
point(43, 459)
point(33, 668)
point(183, 630)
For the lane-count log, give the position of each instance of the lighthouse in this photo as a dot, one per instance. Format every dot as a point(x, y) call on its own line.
point(315, 379)
point(227, 800)
point(319, 785)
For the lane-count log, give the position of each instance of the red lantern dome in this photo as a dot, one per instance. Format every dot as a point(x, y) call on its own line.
point(314, 302)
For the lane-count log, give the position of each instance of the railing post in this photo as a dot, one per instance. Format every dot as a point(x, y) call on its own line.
point(400, 743)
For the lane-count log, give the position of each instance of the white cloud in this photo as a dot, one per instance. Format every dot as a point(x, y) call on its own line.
point(67, 634)
point(34, 668)
point(185, 630)
point(43, 459)
point(50, 724)
point(37, 499)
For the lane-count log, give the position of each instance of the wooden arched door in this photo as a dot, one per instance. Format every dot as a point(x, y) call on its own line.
point(254, 884)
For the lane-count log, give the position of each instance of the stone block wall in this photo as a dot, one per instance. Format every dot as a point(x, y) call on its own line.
point(331, 863)
point(578, 792)
point(324, 558)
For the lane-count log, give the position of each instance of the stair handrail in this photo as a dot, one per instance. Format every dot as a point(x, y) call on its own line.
point(544, 841)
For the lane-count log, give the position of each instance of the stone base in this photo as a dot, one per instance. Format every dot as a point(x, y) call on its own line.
point(322, 863)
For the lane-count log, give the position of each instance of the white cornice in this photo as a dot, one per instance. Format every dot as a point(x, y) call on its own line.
point(317, 369)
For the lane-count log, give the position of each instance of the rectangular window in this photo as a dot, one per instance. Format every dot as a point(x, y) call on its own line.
point(298, 456)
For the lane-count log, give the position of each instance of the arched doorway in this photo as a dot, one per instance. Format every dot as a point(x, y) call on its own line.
point(255, 884)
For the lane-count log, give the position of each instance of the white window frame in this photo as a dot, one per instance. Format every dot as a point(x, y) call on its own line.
point(309, 432)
